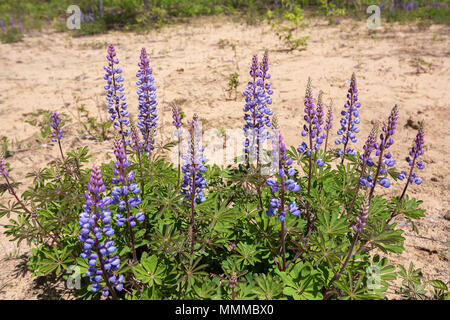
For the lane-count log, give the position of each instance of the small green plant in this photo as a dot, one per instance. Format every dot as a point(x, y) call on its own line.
point(92, 27)
point(5, 150)
point(11, 36)
point(414, 287)
point(40, 119)
point(233, 83)
point(286, 32)
point(92, 127)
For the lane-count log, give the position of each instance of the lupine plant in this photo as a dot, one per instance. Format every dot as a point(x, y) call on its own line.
point(198, 233)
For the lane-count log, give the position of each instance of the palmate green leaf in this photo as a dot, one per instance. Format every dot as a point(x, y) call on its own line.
point(217, 214)
point(384, 236)
point(13, 207)
point(268, 287)
point(302, 282)
point(330, 223)
point(409, 207)
point(378, 274)
point(148, 293)
point(46, 260)
point(192, 271)
point(410, 276)
point(149, 271)
point(354, 290)
point(379, 208)
point(204, 289)
point(244, 291)
point(247, 253)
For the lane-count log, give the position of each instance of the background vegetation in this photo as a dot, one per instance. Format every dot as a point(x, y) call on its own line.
point(144, 14)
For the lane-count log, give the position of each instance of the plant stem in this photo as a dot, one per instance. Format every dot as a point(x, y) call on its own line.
point(326, 141)
point(363, 169)
point(191, 226)
point(394, 213)
point(380, 159)
point(179, 160)
point(308, 208)
point(283, 231)
point(338, 275)
point(60, 150)
point(142, 182)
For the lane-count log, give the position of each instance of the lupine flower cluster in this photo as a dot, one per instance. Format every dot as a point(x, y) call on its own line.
point(3, 168)
point(386, 141)
point(319, 114)
point(193, 168)
point(54, 123)
point(122, 195)
point(328, 124)
point(350, 120)
point(436, 5)
point(96, 234)
point(309, 128)
point(329, 120)
point(257, 98)
point(313, 126)
point(11, 25)
point(415, 152)
point(368, 147)
point(114, 95)
point(85, 18)
point(283, 167)
point(361, 219)
point(147, 101)
point(176, 120)
point(136, 142)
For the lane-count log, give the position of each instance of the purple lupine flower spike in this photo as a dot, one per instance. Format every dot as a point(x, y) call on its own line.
point(366, 159)
point(57, 130)
point(415, 152)
point(319, 122)
point(350, 120)
point(3, 168)
point(11, 22)
point(257, 98)
point(385, 159)
point(194, 165)
point(328, 123)
point(386, 141)
point(147, 101)
point(96, 236)
point(176, 117)
point(2, 25)
point(117, 106)
point(282, 166)
point(136, 142)
point(126, 194)
point(309, 128)
point(361, 219)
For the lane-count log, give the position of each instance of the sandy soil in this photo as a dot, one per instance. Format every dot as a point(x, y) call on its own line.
point(401, 65)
